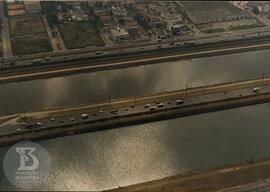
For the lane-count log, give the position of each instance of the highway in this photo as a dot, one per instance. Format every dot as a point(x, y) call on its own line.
point(5, 33)
point(138, 106)
point(261, 186)
point(76, 67)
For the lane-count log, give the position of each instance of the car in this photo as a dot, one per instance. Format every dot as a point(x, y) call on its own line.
point(99, 53)
point(114, 111)
point(52, 119)
point(84, 116)
point(38, 124)
point(100, 111)
point(72, 119)
point(179, 101)
point(94, 114)
point(126, 109)
point(147, 106)
point(153, 108)
point(161, 105)
point(62, 121)
point(18, 130)
point(256, 90)
point(30, 126)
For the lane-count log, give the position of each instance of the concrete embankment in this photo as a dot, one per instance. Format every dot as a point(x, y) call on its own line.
point(131, 60)
point(125, 120)
point(218, 180)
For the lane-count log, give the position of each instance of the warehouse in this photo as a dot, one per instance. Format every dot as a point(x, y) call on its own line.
point(212, 12)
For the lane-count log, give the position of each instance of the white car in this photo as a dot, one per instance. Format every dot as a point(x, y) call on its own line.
point(153, 108)
point(147, 106)
point(84, 116)
point(256, 90)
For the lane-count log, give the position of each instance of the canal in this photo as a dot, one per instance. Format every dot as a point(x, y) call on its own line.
point(100, 86)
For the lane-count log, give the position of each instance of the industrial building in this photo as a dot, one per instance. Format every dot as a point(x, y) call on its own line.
point(212, 12)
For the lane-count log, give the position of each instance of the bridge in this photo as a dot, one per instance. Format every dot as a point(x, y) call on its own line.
point(128, 111)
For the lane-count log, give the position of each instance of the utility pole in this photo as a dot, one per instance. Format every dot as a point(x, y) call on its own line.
point(135, 101)
point(24, 111)
point(109, 102)
point(186, 89)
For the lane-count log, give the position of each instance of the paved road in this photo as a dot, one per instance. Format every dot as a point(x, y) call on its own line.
point(50, 35)
point(262, 186)
point(134, 109)
point(98, 66)
point(60, 42)
point(5, 33)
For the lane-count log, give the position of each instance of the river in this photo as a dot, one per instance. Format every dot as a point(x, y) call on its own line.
point(124, 156)
point(137, 81)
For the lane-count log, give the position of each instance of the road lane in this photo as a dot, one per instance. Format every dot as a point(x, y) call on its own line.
point(135, 109)
point(102, 66)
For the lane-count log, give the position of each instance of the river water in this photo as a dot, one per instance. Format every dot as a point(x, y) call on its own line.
point(119, 157)
point(99, 86)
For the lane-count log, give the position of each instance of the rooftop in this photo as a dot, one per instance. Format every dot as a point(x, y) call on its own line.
point(211, 9)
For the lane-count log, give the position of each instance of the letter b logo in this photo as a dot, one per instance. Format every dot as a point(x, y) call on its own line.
point(28, 162)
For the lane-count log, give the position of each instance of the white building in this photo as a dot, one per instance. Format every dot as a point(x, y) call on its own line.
point(120, 34)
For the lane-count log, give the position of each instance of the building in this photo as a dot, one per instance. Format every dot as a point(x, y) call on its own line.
point(174, 28)
point(119, 34)
point(212, 12)
point(15, 8)
point(32, 7)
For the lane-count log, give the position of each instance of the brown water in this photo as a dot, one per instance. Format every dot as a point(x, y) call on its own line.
point(119, 157)
point(99, 86)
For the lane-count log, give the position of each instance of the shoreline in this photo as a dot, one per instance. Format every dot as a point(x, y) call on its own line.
point(159, 56)
point(220, 179)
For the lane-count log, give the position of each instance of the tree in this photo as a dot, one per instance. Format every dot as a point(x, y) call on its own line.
point(255, 10)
